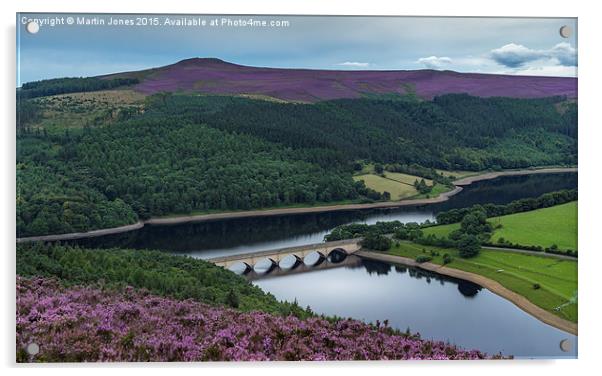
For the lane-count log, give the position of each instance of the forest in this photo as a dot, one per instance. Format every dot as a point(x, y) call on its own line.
point(70, 85)
point(193, 153)
point(455, 131)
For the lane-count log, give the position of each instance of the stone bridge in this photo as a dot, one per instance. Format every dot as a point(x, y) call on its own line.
point(299, 254)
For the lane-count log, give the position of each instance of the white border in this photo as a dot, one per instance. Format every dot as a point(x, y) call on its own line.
point(589, 123)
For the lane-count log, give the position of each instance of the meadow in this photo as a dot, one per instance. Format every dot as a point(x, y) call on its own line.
point(397, 189)
point(77, 110)
point(399, 185)
point(542, 227)
point(549, 283)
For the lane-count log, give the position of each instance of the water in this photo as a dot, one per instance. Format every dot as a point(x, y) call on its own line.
point(438, 307)
point(236, 236)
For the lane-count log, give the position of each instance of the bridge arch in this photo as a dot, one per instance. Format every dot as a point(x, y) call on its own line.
point(337, 255)
point(314, 258)
point(290, 262)
point(265, 265)
point(240, 267)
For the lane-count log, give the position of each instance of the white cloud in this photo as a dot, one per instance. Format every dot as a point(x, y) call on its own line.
point(514, 55)
point(354, 64)
point(517, 56)
point(565, 54)
point(434, 62)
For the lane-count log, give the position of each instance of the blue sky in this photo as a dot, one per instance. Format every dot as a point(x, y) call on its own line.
point(525, 46)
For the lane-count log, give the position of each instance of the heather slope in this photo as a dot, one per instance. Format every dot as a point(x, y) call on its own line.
point(214, 76)
point(87, 324)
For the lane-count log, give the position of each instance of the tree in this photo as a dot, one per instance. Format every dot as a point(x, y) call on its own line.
point(376, 242)
point(469, 246)
point(422, 187)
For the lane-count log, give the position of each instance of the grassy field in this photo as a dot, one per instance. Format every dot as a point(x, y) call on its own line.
point(395, 188)
point(517, 272)
point(74, 110)
point(405, 178)
point(543, 227)
point(399, 185)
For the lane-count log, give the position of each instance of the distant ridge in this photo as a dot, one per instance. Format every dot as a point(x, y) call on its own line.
point(215, 76)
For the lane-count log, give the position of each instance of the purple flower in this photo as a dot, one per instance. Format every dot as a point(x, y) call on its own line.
point(80, 324)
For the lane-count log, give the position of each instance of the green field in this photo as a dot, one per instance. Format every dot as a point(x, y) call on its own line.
point(406, 178)
point(396, 189)
point(543, 227)
point(399, 185)
point(515, 271)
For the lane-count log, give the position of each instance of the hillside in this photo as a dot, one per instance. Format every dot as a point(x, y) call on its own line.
point(215, 76)
point(87, 324)
point(201, 154)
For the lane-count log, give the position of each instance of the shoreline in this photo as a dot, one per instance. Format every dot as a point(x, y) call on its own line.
point(491, 285)
point(460, 183)
point(81, 235)
point(492, 175)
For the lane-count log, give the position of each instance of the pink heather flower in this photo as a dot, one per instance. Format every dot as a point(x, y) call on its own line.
point(84, 324)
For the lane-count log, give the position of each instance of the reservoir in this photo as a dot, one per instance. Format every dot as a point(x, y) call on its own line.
point(437, 307)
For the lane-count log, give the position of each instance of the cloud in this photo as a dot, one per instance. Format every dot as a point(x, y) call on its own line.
point(434, 62)
point(354, 64)
point(565, 54)
point(516, 55)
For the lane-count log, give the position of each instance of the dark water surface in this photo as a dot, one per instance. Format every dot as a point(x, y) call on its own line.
point(435, 306)
point(245, 235)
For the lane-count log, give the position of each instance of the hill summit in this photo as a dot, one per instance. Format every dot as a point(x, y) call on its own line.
point(215, 76)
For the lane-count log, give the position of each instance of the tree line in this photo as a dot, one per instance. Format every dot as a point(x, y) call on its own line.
point(517, 206)
point(65, 85)
point(179, 277)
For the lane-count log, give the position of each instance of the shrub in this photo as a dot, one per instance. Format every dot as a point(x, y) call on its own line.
point(376, 242)
point(232, 299)
point(536, 286)
point(166, 329)
point(447, 259)
point(422, 258)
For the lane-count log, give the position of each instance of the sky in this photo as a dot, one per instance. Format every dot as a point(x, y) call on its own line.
point(65, 46)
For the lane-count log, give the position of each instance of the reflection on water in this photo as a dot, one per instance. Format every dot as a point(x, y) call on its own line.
point(436, 306)
point(246, 235)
